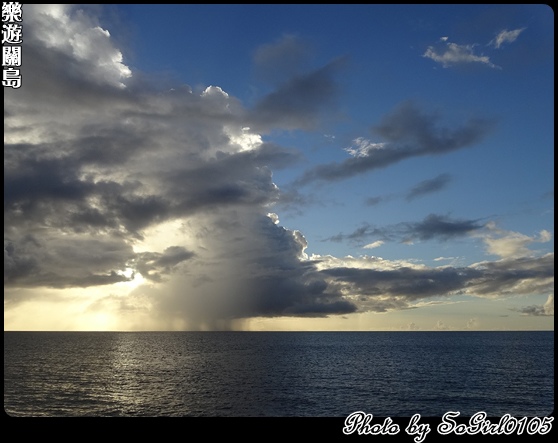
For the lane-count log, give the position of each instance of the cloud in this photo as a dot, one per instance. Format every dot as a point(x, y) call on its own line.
point(402, 284)
point(429, 186)
point(410, 133)
point(246, 265)
point(508, 244)
point(363, 147)
point(282, 59)
point(69, 31)
point(505, 36)
point(524, 275)
point(412, 327)
point(373, 245)
point(545, 310)
point(439, 226)
point(549, 305)
point(298, 102)
point(108, 177)
point(99, 163)
point(64, 260)
point(432, 227)
point(291, 200)
point(452, 54)
point(472, 324)
point(440, 326)
point(151, 264)
point(378, 285)
point(373, 201)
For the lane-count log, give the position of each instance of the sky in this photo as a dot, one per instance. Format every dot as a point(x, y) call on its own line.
point(281, 167)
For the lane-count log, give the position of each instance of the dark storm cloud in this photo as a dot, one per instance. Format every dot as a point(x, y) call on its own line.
point(281, 283)
point(289, 294)
point(434, 226)
point(402, 286)
point(80, 261)
point(409, 132)
point(251, 267)
point(16, 265)
point(138, 212)
point(411, 283)
point(46, 181)
point(64, 261)
point(39, 179)
point(52, 189)
point(108, 146)
point(152, 265)
point(429, 186)
point(297, 103)
point(505, 276)
point(92, 165)
point(61, 79)
point(242, 178)
point(272, 155)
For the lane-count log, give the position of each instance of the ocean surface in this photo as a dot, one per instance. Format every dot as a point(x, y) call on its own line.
point(277, 374)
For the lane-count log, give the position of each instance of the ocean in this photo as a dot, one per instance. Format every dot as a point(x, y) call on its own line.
point(278, 374)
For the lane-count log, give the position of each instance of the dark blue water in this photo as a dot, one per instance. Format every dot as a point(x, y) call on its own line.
point(278, 374)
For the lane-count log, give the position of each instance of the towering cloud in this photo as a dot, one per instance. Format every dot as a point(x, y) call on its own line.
point(91, 178)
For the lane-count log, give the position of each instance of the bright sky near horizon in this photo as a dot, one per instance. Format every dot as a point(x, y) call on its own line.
point(281, 167)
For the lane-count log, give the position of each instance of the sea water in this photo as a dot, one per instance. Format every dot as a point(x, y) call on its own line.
point(278, 374)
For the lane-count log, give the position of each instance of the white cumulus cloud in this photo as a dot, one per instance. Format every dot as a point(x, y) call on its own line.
point(373, 245)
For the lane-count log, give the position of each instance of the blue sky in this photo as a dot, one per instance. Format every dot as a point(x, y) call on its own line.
point(343, 167)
